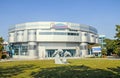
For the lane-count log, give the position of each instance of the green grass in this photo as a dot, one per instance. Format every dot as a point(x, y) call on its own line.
point(78, 68)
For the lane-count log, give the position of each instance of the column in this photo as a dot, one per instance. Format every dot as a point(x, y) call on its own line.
point(41, 52)
point(83, 49)
point(32, 49)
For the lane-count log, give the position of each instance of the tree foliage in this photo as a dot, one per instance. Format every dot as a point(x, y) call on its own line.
point(1, 41)
point(110, 46)
point(117, 36)
point(104, 51)
point(117, 41)
point(1, 46)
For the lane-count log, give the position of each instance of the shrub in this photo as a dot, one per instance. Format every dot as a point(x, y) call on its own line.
point(4, 56)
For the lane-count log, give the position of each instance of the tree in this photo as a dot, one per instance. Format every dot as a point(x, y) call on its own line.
point(117, 42)
point(1, 46)
point(118, 32)
point(104, 51)
point(110, 46)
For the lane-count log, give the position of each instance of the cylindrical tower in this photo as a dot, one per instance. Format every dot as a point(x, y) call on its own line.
point(32, 35)
point(11, 37)
point(19, 36)
point(92, 38)
point(84, 36)
point(32, 46)
point(83, 49)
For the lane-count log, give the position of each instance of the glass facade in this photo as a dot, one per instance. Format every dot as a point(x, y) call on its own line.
point(58, 33)
point(83, 47)
point(30, 39)
point(32, 47)
point(20, 49)
point(72, 52)
point(50, 52)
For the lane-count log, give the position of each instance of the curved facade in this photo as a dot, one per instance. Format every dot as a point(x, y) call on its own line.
point(41, 39)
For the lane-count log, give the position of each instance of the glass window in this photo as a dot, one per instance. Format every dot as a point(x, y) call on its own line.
point(49, 52)
point(31, 33)
point(72, 52)
point(22, 47)
point(24, 50)
point(73, 30)
point(85, 34)
point(59, 33)
point(73, 34)
point(83, 47)
point(32, 47)
point(45, 33)
point(16, 51)
point(92, 35)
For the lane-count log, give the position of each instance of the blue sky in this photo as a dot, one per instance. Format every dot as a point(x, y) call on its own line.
point(101, 14)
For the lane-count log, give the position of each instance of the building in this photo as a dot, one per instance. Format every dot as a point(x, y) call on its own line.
point(42, 39)
point(102, 41)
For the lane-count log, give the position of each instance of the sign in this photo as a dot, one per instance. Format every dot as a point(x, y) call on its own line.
point(59, 26)
point(96, 49)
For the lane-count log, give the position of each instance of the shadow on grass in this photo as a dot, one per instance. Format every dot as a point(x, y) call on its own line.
point(75, 72)
point(13, 71)
point(115, 70)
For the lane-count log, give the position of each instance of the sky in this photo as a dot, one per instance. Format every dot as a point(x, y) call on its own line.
point(101, 14)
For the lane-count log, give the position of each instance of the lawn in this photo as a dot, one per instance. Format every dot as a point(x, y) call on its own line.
point(78, 68)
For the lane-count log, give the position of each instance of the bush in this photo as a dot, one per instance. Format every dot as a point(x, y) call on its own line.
point(4, 56)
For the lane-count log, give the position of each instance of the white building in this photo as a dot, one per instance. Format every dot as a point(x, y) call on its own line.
point(41, 39)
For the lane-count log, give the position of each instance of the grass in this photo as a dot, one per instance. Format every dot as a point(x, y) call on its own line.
point(78, 68)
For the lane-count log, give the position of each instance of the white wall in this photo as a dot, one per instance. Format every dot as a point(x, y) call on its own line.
point(31, 35)
point(11, 37)
point(84, 37)
point(19, 36)
point(92, 38)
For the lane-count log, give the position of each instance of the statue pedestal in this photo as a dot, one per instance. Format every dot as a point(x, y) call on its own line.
point(64, 60)
point(58, 61)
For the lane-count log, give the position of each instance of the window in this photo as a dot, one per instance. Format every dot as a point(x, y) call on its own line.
point(45, 33)
point(24, 50)
point(50, 52)
point(83, 47)
point(85, 34)
point(32, 33)
point(92, 35)
point(73, 30)
point(18, 34)
point(71, 51)
point(59, 33)
point(20, 49)
point(32, 47)
point(73, 34)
